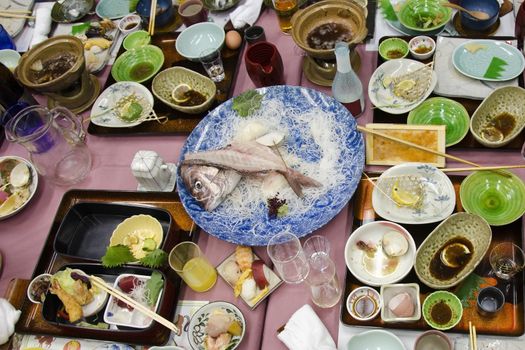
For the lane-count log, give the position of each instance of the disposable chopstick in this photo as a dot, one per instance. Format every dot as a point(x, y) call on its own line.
point(123, 297)
point(378, 188)
point(472, 336)
point(16, 11)
point(14, 15)
point(152, 14)
point(413, 145)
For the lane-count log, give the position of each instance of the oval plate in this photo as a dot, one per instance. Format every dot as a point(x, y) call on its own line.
point(113, 9)
point(488, 60)
point(216, 130)
point(383, 98)
point(32, 185)
point(106, 102)
point(438, 202)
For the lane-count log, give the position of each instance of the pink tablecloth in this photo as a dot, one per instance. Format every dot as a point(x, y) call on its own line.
point(22, 236)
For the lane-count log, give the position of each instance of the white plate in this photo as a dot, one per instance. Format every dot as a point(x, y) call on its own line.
point(32, 185)
point(372, 234)
point(98, 302)
point(109, 97)
point(438, 202)
point(383, 97)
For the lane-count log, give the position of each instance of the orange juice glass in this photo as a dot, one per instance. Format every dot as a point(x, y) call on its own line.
point(191, 265)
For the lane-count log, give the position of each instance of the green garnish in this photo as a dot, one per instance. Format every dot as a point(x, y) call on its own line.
point(154, 285)
point(247, 103)
point(155, 259)
point(117, 255)
point(283, 210)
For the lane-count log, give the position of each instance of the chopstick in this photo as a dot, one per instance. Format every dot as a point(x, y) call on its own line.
point(16, 11)
point(413, 145)
point(378, 188)
point(97, 281)
point(14, 15)
point(152, 14)
point(472, 336)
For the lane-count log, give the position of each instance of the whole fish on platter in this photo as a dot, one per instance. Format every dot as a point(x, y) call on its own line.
point(210, 187)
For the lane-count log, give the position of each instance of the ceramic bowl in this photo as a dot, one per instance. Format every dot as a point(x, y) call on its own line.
point(422, 42)
point(9, 58)
point(129, 24)
point(451, 301)
point(147, 227)
point(347, 13)
point(199, 37)
point(69, 11)
point(437, 198)
point(434, 340)
point(138, 65)
point(19, 200)
point(372, 234)
point(37, 289)
point(442, 111)
point(418, 15)
point(467, 227)
point(364, 303)
point(375, 339)
point(490, 301)
point(165, 12)
point(199, 321)
point(496, 196)
point(393, 48)
point(136, 39)
point(164, 83)
point(215, 5)
point(490, 7)
point(508, 100)
point(391, 290)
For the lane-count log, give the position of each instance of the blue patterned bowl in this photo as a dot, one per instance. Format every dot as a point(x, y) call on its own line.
point(490, 7)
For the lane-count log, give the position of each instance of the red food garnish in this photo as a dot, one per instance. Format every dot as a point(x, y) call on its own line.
point(128, 283)
point(273, 206)
point(123, 305)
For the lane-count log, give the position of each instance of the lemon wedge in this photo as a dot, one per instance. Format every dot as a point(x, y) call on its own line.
point(405, 85)
point(8, 206)
point(404, 198)
point(179, 93)
point(454, 255)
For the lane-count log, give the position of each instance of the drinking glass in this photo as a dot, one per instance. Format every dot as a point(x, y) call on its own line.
point(506, 260)
point(315, 246)
point(285, 10)
point(187, 260)
point(212, 62)
point(323, 281)
point(288, 257)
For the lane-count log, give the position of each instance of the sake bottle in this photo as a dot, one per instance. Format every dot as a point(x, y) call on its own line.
point(346, 87)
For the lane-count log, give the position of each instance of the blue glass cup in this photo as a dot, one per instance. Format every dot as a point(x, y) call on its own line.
point(6, 42)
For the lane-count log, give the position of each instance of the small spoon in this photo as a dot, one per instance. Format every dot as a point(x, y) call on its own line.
point(479, 15)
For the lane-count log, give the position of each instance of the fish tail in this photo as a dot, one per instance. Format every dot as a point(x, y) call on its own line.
point(298, 181)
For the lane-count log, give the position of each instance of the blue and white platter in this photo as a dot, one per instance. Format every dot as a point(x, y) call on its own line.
point(327, 123)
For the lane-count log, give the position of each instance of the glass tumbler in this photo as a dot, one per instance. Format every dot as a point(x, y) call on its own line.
point(323, 281)
point(212, 62)
point(187, 260)
point(285, 9)
point(506, 260)
point(288, 257)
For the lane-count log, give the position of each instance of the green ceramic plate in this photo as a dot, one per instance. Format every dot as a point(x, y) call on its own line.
point(424, 15)
point(496, 196)
point(393, 48)
point(442, 111)
point(114, 9)
point(488, 60)
point(138, 65)
point(451, 301)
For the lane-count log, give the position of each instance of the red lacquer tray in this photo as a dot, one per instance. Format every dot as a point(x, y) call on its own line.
point(509, 322)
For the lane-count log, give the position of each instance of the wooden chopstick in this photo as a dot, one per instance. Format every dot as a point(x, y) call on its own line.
point(152, 14)
point(16, 11)
point(378, 188)
point(472, 336)
point(97, 281)
point(14, 15)
point(413, 145)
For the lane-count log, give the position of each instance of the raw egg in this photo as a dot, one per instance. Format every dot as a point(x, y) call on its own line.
point(233, 40)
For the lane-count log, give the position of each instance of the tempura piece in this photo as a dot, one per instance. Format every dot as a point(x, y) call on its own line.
point(244, 257)
point(73, 308)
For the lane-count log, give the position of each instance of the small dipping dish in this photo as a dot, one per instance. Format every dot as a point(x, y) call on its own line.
point(393, 48)
point(363, 303)
point(37, 289)
point(433, 340)
point(490, 301)
point(422, 47)
point(129, 24)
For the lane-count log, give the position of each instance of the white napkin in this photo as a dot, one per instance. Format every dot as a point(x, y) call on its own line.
point(42, 25)
point(8, 318)
point(246, 13)
point(305, 331)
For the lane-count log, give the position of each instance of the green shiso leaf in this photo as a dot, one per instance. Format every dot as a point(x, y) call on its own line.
point(388, 11)
point(154, 285)
point(247, 103)
point(117, 255)
point(155, 259)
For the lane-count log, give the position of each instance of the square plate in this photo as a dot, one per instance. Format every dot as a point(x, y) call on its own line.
point(273, 279)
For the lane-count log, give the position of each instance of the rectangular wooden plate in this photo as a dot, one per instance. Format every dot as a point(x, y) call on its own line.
point(178, 122)
point(31, 320)
point(381, 151)
point(469, 141)
point(509, 321)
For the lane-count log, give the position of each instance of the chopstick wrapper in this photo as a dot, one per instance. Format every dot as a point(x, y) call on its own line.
point(246, 13)
point(42, 25)
point(8, 318)
point(305, 331)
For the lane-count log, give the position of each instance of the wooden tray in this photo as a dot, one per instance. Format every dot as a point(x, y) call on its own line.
point(509, 322)
point(31, 320)
point(178, 123)
point(469, 141)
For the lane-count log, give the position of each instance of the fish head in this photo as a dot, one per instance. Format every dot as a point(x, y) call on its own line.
point(199, 181)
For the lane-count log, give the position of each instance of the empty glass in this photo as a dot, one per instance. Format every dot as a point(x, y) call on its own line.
point(506, 260)
point(316, 245)
point(212, 62)
point(288, 257)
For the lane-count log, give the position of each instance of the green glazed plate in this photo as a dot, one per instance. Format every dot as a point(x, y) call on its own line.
point(390, 16)
point(418, 15)
point(138, 65)
point(488, 60)
point(442, 111)
point(114, 9)
point(496, 196)
point(448, 298)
